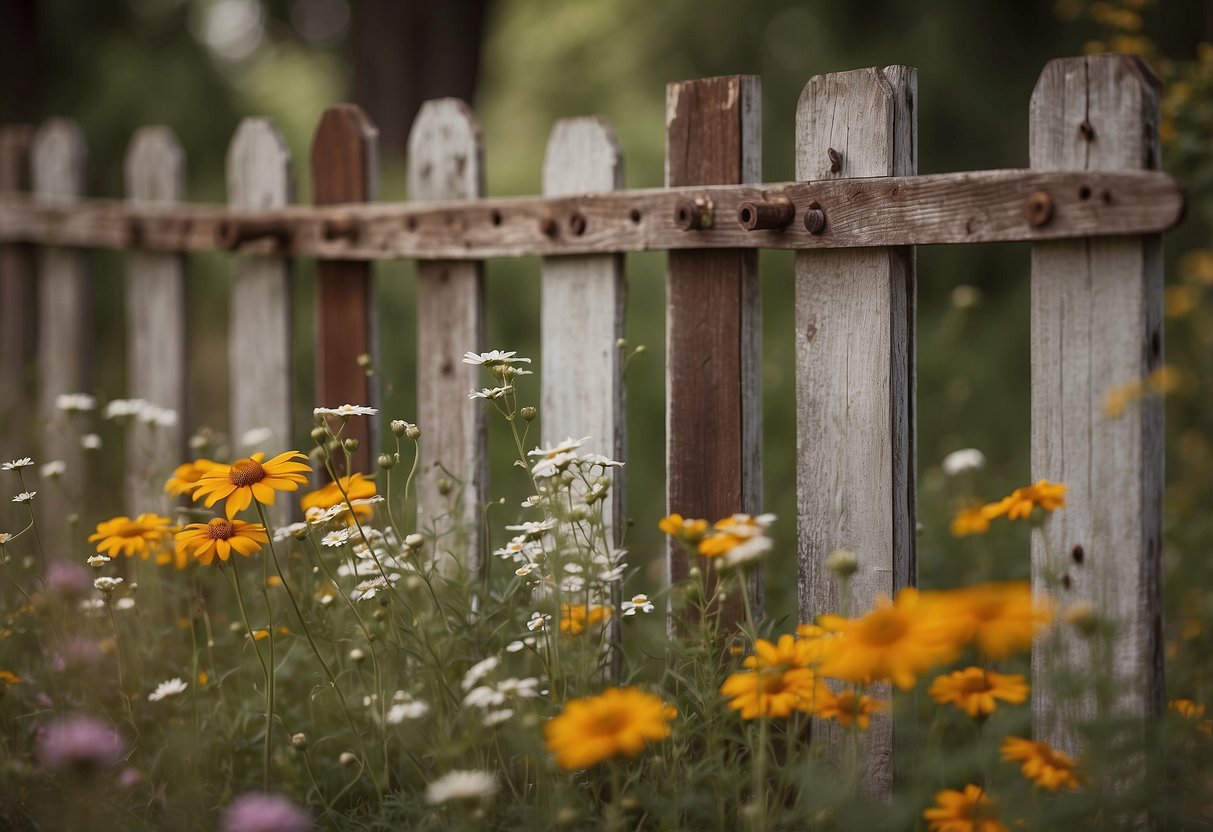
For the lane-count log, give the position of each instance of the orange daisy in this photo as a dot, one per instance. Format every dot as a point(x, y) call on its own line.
point(249, 479)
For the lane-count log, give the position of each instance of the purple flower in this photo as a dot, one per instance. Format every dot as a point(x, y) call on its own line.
point(254, 812)
point(71, 580)
point(80, 745)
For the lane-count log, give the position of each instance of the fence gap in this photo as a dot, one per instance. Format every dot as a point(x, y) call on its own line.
point(583, 304)
point(65, 319)
point(260, 177)
point(156, 325)
point(446, 162)
point(855, 371)
point(1097, 324)
point(16, 302)
point(345, 169)
point(713, 323)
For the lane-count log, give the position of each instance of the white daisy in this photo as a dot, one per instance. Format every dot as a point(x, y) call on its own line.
point(345, 411)
point(78, 402)
point(494, 718)
point(489, 393)
point(52, 469)
point(17, 464)
point(401, 711)
point(747, 552)
point(106, 584)
point(478, 671)
point(494, 357)
point(968, 459)
point(333, 539)
point(122, 408)
point(461, 785)
point(484, 697)
point(256, 437)
point(90, 441)
point(286, 532)
point(538, 621)
point(564, 447)
point(639, 603)
point(25, 497)
point(166, 689)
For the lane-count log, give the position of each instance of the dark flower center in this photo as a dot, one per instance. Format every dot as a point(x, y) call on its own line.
point(245, 472)
point(220, 529)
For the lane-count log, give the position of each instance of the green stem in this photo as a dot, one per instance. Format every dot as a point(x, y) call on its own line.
point(266, 670)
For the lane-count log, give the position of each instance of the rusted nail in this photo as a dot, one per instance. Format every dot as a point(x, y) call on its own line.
point(835, 160)
point(235, 232)
point(1038, 210)
point(1087, 131)
point(754, 215)
point(342, 228)
point(814, 218)
point(577, 223)
point(695, 214)
point(548, 226)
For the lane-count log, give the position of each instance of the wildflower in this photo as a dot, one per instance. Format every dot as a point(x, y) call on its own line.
point(106, 585)
point(1186, 708)
point(898, 640)
point(733, 531)
point(1002, 618)
point(356, 486)
point(574, 618)
point(462, 785)
point(166, 689)
point(255, 437)
point(5, 537)
point(75, 402)
point(80, 745)
point(494, 718)
point(957, 462)
point(617, 721)
point(367, 590)
point(777, 682)
point(251, 479)
point(219, 538)
point(124, 536)
point(478, 671)
point(968, 811)
point(52, 469)
point(639, 603)
point(8, 679)
point(17, 464)
point(1046, 767)
point(489, 393)
point(688, 531)
point(254, 812)
point(483, 696)
point(67, 579)
point(970, 521)
point(122, 408)
point(974, 689)
point(1049, 496)
point(842, 562)
point(25, 497)
point(335, 539)
point(747, 552)
point(185, 478)
point(410, 709)
point(526, 569)
point(295, 530)
point(538, 621)
point(493, 358)
point(344, 411)
point(90, 442)
point(849, 708)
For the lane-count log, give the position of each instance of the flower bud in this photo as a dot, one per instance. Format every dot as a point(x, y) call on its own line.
point(350, 444)
point(413, 432)
point(842, 563)
point(299, 740)
point(364, 360)
point(528, 413)
point(414, 541)
point(346, 758)
point(356, 655)
point(386, 461)
point(319, 434)
point(444, 487)
point(399, 426)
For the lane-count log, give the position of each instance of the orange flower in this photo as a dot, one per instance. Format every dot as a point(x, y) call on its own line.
point(186, 477)
point(733, 531)
point(1046, 767)
point(778, 681)
point(124, 536)
point(574, 618)
point(246, 480)
point(357, 486)
point(968, 811)
point(219, 538)
point(619, 721)
point(688, 531)
point(969, 521)
point(849, 708)
point(974, 690)
point(1018, 505)
point(1001, 618)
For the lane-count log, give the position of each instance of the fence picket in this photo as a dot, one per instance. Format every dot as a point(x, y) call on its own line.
point(156, 325)
point(345, 169)
point(16, 302)
point(1097, 324)
point(713, 322)
point(446, 162)
point(855, 371)
point(65, 316)
point(260, 177)
point(583, 306)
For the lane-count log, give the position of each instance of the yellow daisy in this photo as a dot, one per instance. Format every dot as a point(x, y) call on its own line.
point(974, 690)
point(219, 538)
point(619, 721)
point(251, 479)
point(731, 532)
point(849, 708)
point(185, 478)
point(357, 486)
point(688, 531)
point(1018, 505)
point(970, 521)
point(778, 680)
point(1001, 618)
point(574, 618)
point(1046, 767)
point(968, 811)
point(124, 536)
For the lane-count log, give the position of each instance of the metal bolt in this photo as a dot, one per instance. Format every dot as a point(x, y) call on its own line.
point(694, 214)
point(814, 218)
point(1087, 131)
point(835, 160)
point(1038, 210)
point(754, 214)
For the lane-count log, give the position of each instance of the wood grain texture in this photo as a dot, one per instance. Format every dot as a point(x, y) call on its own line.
point(713, 324)
point(344, 170)
point(966, 207)
point(1096, 324)
point(16, 303)
point(65, 320)
point(584, 299)
point(260, 178)
point(156, 325)
point(854, 373)
point(446, 161)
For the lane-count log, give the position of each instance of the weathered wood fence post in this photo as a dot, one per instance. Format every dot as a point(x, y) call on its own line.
point(156, 326)
point(1096, 324)
point(16, 302)
point(446, 161)
point(260, 178)
point(713, 321)
point(855, 370)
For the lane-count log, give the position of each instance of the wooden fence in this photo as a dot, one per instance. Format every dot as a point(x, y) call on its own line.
point(1092, 204)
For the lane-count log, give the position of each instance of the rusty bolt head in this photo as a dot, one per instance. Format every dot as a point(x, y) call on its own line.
point(814, 218)
point(548, 226)
point(835, 160)
point(1038, 210)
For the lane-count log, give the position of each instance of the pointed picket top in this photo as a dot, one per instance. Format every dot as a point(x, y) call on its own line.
point(58, 159)
point(155, 166)
point(446, 156)
point(446, 161)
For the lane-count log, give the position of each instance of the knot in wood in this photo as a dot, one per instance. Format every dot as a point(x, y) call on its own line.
point(1038, 209)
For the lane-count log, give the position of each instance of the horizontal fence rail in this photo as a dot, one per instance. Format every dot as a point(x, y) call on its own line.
point(968, 207)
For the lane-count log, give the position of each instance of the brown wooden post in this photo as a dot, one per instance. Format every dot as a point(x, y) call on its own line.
point(446, 162)
point(855, 371)
point(156, 326)
point(1097, 323)
point(345, 169)
point(713, 322)
point(16, 303)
